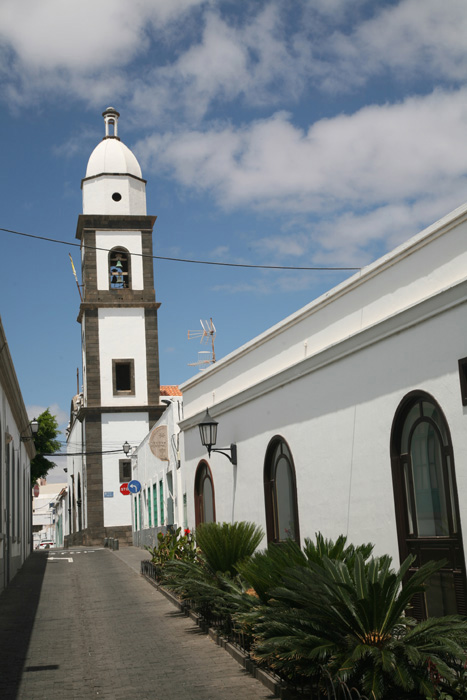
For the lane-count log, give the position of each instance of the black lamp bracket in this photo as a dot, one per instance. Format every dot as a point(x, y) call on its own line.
point(232, 457)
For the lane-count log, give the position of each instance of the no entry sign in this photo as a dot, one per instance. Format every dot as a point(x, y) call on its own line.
point(36, 490)
point(124, 489)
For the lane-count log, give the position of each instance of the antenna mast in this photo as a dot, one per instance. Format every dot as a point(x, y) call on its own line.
point(208, 331)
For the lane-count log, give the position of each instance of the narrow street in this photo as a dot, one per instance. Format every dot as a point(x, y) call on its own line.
point(83, 624)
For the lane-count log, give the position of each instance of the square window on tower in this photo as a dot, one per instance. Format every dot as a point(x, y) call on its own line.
point(123, 375)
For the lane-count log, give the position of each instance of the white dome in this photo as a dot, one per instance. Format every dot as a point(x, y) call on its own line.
point(112, 156)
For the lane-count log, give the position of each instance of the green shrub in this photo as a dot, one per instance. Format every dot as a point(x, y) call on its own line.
point(352, 622)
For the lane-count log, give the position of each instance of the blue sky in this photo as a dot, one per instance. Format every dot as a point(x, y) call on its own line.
point(303, 133)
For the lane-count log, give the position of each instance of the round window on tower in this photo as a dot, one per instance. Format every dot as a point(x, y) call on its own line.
point(116, 196)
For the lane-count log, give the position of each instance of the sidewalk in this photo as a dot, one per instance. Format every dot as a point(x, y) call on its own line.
point(132, 556)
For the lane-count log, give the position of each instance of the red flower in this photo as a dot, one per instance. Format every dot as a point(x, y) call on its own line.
point(186, 532)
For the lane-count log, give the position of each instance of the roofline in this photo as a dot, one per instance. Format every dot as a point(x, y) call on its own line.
point(412, 245)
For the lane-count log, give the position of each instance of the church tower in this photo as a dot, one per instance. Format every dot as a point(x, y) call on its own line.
point(118, 317)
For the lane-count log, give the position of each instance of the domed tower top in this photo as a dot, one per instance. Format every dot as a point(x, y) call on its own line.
point(113, 183)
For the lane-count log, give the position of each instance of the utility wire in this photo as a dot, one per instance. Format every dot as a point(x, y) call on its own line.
point(183, 260)
point(80, 454)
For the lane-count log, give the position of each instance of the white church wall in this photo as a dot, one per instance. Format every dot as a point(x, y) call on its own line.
point(98, 191)
point(131, 240)
point(118, 428)
point(122, 336)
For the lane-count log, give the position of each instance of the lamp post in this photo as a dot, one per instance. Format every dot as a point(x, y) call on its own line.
point(33, 427)
point(208, 434)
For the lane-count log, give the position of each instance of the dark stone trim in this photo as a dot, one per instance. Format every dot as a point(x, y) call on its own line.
point(95, 497)
point(87, 307)
point(89, 264)
point(93, 371)
point(152, 410)
point(152, 355)
point(114, 222)
point(155, 414)
point(94, 177)
point(148, 262)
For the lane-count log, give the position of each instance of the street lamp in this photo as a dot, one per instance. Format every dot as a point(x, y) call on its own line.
point(208, 434)
point(126, 447)
point(33, 427)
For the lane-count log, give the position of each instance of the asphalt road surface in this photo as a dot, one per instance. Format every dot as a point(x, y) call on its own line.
point(82, 624)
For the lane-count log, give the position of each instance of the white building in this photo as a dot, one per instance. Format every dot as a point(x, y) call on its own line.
point(48, 514)
point(350, 416)
point(118, 317)
point(16, 452)
point(162, 501)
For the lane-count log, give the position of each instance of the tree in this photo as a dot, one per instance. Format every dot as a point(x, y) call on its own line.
point(45, 443)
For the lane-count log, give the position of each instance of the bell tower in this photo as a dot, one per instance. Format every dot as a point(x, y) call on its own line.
point(118, 317)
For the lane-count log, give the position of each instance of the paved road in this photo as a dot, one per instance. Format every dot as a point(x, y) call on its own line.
point(82, 624)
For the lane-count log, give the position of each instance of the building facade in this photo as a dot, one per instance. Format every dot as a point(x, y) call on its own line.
point(118, 317)
point(350, 416)
point(16, 452)
point(162, 502)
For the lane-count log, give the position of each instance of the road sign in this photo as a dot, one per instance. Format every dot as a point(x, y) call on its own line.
point(124, 489)
point(134, 486)
point(36, 490)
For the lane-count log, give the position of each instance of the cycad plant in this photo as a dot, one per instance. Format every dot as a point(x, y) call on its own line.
point(352, 622)
point(264, 570)
point(211, 582)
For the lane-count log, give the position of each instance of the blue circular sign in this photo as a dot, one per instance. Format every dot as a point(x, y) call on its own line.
point(134, 486)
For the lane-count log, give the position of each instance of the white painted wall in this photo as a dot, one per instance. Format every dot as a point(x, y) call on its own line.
point(97, 195)
point(337, 418)
point(118, 428)
point(150, 470)
point(131, 240)
point(122, 336)
point(75, 467)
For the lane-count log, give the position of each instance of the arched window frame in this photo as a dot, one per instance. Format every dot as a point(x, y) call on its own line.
point(125, 258)
point(426, 547)
point(270, 490)
point(203, 472)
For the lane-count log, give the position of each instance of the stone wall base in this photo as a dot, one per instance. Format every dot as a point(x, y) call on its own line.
point(94, 536)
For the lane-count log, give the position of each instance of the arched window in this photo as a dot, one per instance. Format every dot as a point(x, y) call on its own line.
point(205, 509)
point(119, 269)
point(427, 510)
point(280, 493)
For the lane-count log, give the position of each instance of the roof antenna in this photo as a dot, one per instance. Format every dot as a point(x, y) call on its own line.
point(205, 357)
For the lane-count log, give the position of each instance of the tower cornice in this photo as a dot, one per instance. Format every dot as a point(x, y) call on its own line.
point(114, 222)
point(112, 304)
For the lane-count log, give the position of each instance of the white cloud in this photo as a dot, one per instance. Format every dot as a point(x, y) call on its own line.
point(34, 410)
point(408, 40)
point(364, 175)
point(78, 48)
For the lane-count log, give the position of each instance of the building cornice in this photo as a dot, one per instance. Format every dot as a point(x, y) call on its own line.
point(414, 244)
point(121, 304)
point(86, 411)
point(418, 313)
point(113, 222)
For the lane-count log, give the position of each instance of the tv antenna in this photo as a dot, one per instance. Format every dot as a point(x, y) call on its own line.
point(207, 332)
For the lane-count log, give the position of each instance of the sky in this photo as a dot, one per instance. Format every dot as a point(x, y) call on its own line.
point(311, 133)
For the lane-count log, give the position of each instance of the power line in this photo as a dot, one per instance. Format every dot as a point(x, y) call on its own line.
point(182, 260)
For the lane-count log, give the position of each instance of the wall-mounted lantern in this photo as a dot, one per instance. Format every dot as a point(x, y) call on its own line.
point(208, 434)
point(34, 427)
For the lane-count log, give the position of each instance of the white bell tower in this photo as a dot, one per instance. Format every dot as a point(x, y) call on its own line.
point(118, 316)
